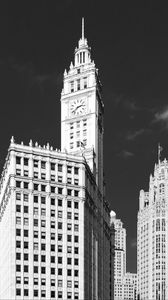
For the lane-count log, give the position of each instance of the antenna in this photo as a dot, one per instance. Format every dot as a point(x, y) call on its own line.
point(83, 28)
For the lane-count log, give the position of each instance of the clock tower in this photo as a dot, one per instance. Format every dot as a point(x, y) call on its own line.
point(82, 110)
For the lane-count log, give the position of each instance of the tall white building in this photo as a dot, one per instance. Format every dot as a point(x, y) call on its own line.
point(124, 283)
point(152, 248)
point(56, 239)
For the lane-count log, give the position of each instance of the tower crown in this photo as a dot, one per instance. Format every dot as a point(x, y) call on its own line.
point(83, 52)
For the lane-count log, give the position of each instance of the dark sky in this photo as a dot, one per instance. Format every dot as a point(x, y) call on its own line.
point(129, 41)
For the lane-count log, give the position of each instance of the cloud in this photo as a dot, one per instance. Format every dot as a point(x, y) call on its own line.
point(125, 154)
point(126, 103)
point(133, 243)
point(162, 116)
point(132, 135)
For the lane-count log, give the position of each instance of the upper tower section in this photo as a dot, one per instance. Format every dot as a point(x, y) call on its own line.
point(82, 110)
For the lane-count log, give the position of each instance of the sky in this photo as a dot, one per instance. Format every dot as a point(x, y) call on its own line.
point(129, 41)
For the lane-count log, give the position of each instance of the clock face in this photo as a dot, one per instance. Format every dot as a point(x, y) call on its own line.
point(78, 107)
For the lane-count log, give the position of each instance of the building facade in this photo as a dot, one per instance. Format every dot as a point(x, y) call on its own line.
point(125, 284)
point(55, 231)
point(152, 232)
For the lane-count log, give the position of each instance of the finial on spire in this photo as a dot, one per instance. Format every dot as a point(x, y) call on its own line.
point(83, 29)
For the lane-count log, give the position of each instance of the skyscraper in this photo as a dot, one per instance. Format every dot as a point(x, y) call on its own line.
point(55, 236)
point(124, 283)
point(152, 247)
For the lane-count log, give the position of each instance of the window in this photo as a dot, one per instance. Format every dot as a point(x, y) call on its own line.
point(59, 178)
point(59, 295)
point(18, 232)
point(43, 258)
point(43, 188)
point(35, 186)
point(59, 283)
point(76, 193)
point(26, 173)
point(18, 280)
point(76, 296)
point(69, 192)
point(72, 86)
point(76, 284)
point(53, 259)
point(35, 281)
point(52, 213)
point(26, 245)
point(69, 215)
point(59, 225)
point(69, 238)
point(43, 176)
point(18, 244)
point(59, 237)
point(71, 126)
point(78, 144)
point(59, 248)
point(43, 223)
point(35, 210)
point(59, 202)
point(60, 190)
point(76, 250)
point(76, 227)
point(35, 234)
point(59, 259)
point(26, 233)
point(76, 272)
point(69, 295)
point(18, 256)
point(53, 294)
point(76, 205)
point(59, 168)
point(18, 220)
point(18, 172)
point(26, 269)
point(26, 221)
point(35, 174)
point(26, 209)
point(69, 261)
point(35, 269)
point(69, 180)
point(43, 281)
point(43, 270)
point(43, 200)
point(43, 235)
point(52, 177)
point(18, 292)
point(18, 160)
point(26, 292)
point(76, 239)
point(18, 196)
point(18, 268)
point(52, 224)
point(35, 293)
point(69, 249)
point(18, 208)
point(76, 261)
point(35, 257)
point(52, 166)
point(43, 164)
point(69, 284)
point(18, 184)
point(26, 185)
point(52, 247)
point(78, 84)
point(35, 246)
point(43, 247)
point(69, 226)
point(35, 222)
point(35, 163)
point(69, 169)
point(52, 236)
point(69, 203)
point(76, 181)
point(52, 201)
point(52, 282)
point(69, 272)
point(52, 189)
point(85, 82)
point(35, 199)
point(25, 197)
point(60, 214)
point(59, 271)
point(43, 211)
point(43, 293)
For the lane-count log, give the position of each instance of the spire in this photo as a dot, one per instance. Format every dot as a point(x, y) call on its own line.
point(160, 148)
point(83, 28)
